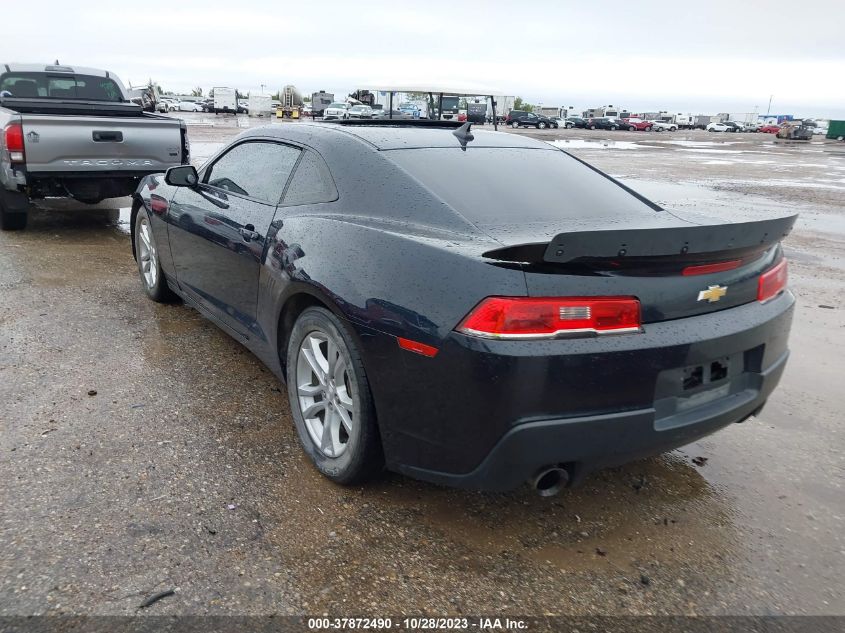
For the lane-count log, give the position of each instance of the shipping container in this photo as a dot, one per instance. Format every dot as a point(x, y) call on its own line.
point(836, 130)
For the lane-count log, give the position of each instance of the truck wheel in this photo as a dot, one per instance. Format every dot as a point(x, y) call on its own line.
point(12, 221)
point(13, 211)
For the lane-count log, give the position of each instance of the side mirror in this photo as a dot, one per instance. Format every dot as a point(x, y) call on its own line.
point(182, 176)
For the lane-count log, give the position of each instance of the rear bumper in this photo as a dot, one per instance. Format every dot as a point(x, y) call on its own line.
point(488, 414)
point(588, 443)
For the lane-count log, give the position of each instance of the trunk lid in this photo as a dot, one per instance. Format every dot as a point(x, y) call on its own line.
point(675, 271)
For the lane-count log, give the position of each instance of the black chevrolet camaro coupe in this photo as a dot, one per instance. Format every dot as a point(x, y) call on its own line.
point(476, 309)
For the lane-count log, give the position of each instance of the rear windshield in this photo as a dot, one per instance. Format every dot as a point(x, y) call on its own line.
point(59, 86)
point(501, 185)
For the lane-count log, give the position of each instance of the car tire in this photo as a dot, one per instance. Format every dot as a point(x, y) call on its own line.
point(592, 127)
point(348, 450)
point(569, 126)
point(149, 264)
point(649, 128)
point(673, 129)
point(541, 125)
point(515, 125)
point(632, 128)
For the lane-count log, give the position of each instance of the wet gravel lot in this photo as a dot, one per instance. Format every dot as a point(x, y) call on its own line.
point(141, 449)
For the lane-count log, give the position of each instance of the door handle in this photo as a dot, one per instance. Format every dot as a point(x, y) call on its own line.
point(249, 233)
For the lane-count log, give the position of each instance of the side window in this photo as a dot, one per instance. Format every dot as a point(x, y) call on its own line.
point(312, 182)
point(257, 169)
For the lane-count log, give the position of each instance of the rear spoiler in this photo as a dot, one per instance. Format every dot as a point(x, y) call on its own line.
point(680, 240)
point(676, 242)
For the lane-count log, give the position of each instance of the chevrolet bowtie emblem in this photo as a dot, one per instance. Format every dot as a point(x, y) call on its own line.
point(713, 293)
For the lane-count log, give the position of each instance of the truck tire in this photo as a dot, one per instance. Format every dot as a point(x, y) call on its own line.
point(12, 221)
point(13, 211)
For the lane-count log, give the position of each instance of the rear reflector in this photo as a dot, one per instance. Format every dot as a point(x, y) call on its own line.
point(705, 269)
point(550, 317)
point(416, 346)
point(772, 282)
point(13, 139)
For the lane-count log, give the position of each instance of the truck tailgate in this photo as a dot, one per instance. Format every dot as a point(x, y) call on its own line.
point(93, 144)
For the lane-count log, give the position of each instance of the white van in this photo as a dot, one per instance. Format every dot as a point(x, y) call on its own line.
point(225, 100)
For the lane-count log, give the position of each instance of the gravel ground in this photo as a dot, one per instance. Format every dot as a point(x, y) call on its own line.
point(144, 450)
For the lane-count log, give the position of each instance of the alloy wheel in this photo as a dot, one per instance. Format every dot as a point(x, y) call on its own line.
point(325, 388)
point(147, 252)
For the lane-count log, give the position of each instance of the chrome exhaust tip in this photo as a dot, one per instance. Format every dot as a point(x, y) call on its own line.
point(550, 481)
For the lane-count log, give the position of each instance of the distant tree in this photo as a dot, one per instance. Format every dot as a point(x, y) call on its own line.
point(196, 92)
point(306, 99)
point(519, 104)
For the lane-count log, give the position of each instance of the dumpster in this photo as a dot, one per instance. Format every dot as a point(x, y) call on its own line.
point(836, 130)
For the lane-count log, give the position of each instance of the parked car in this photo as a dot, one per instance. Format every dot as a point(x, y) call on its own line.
point(521, 118)
point(393, 114)
point(746, 127)
point(188, 106)
point(576, 121)
point(769, 129)
point(633, 124)
point(561, 122)
point(360, 112)
point(336, 111)
point(663, 126)
point(721, 126)
point(407, 349)
point(71, 132)
point(603, 123)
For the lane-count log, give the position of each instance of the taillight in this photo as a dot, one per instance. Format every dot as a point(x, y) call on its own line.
point(550, 317)
point(13, 138)
point(772, 282)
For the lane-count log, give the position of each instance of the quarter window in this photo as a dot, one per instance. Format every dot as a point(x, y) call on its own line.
point(312, 183)
point(254, 169)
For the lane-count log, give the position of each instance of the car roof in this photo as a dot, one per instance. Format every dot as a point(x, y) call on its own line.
point(390, 136)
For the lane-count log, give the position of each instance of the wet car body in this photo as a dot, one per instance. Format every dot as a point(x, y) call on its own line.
point(403, 252)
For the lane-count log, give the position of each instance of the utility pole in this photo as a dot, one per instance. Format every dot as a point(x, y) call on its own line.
point(262, 88)
point(769, 109)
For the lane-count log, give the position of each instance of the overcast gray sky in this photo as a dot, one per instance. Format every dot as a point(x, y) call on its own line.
point(700, 57)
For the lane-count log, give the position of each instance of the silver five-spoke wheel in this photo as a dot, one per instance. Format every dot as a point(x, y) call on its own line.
point(147, 252)
point(325, 388)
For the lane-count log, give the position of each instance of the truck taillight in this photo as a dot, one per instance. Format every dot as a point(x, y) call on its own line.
point(772, 282)
point(551, 317)
point(13, 139)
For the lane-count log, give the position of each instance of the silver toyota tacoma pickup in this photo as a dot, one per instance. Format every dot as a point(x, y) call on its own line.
point(72, 132)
